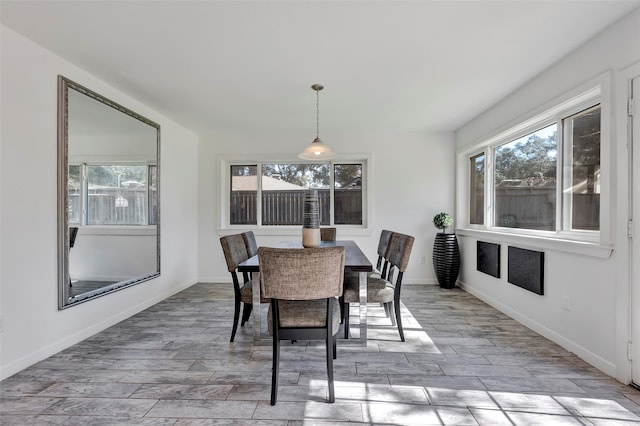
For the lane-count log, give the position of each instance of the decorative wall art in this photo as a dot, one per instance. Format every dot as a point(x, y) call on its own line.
point(488, 258)
point(526, 269)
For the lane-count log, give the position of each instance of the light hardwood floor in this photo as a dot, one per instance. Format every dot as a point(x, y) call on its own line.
point(463, 363)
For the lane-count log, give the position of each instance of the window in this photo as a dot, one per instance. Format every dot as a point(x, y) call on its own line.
point(277, 198)
point(547, 178)
point(582, 180)
point(525, 181)
point(112, 194)
point(476, 186)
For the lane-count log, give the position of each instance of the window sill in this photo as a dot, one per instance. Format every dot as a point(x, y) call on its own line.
point(342, 230)
point(537, 242)
point(118, 230)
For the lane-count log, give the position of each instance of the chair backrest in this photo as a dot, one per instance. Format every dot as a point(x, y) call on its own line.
point(301, 274)
point(400, 250)
point(328, 234)
point(383, 249)
point(250, 243)
point(235, 251)
point(383, 243)
point(73, 233)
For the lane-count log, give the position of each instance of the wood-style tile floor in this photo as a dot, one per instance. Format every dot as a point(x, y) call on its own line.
point(463, 363)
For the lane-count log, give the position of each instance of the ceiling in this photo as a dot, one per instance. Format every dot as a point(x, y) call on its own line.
point(248, 66)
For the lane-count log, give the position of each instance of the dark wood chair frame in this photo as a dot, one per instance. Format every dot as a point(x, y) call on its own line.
point(398, 257)
point(325, 332)
point(234, 255)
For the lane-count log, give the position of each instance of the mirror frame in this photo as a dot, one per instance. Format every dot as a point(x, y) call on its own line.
point(64, 300)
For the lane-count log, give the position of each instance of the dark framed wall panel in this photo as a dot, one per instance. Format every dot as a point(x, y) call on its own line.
point(526, 269)
point(488, 258)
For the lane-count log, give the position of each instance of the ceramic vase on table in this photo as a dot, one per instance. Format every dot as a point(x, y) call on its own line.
point(311, 220)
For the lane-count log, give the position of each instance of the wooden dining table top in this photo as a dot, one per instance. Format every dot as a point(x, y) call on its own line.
point(354, 258)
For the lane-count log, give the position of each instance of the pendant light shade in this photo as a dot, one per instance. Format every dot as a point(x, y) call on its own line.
point(317, 150)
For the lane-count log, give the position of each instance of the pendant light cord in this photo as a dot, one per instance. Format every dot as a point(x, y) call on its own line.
point(317, 114)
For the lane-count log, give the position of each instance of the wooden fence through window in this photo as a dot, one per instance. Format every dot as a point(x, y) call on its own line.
point(281, 208)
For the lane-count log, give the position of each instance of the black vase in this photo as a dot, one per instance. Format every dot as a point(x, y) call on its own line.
point(446, 259)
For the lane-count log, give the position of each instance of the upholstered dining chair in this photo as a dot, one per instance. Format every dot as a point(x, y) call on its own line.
point(303, 286)
point(383, 249)
point(235, 252)
point(73, 233)
point(376, 279)
point(398, 257)
point(250, 242)
point(327, 234)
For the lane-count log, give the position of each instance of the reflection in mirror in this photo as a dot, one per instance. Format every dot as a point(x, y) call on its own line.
point(108, 203)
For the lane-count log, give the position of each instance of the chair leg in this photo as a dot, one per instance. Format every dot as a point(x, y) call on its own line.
point(236, 316)
point(274, 370)
point(330, 357)
point(345, 311)
point(335, 348)
point(246, 313)
point(396, 305)
point(388, 307)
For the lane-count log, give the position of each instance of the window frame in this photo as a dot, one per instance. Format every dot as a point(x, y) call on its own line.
point(224, 194)
point(589, 242)
point(84, 197)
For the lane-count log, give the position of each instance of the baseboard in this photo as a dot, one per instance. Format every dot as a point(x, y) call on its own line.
point(216, 280)
point(422, 281)
point(52, 349)
point(585, 354)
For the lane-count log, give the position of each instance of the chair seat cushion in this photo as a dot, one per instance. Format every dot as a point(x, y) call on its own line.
point(306, 313)
point(353, 281)
point(355, 275)
point(246, 293)
point(376, 293)
point(351, 292)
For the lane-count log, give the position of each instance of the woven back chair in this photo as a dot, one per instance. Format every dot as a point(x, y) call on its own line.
point(303, 285)
point(375, 279)
point(327, 234)
point(250, 242)
point(73, 233)
point(383, 249)
point(389, 295)
point(235, 252)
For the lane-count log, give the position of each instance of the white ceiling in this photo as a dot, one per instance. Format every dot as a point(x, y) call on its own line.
point(247, 66)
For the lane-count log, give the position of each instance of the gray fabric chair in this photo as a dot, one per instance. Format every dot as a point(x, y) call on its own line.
point(250, 242)
point(73, 233)
point(389, 295)
point(235, 252)
point(383, 249)
point(377, 279)
point(303, 286)
point(327, 234)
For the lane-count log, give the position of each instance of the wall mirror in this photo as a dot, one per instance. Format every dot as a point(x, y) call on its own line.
point(108, 196)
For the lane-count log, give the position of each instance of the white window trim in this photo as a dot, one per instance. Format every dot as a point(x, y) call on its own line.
point(591, 243)
point(101, 229)
point(225, 161)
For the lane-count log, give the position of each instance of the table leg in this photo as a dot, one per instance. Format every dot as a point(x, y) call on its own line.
point(257, 309)
point(363, 307)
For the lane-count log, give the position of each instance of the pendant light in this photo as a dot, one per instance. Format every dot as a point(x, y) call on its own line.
point(317, 150)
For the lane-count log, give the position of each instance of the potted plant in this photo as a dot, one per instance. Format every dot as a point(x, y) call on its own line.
point(446, 253)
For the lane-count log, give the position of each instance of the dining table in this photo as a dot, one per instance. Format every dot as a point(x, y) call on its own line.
point(355, 262)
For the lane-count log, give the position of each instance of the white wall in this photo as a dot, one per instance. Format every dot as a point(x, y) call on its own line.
point(33, 326)
point(412, 180)
point(597, 325)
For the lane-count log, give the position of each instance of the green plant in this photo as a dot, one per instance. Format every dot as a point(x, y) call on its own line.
point(442, 221)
